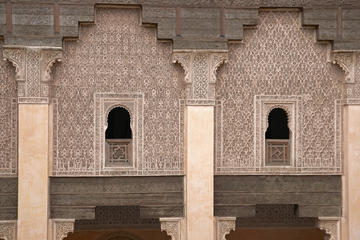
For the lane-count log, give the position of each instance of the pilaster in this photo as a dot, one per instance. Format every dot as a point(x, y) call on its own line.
point(33, 70)
point(200, 78)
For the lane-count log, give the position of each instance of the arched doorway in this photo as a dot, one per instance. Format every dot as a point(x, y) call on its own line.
point(276, 222)
point(118, 223)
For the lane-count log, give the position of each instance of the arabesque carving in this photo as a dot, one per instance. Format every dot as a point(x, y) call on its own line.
point(173, 228)
point(200, 73)
point(110, 58)
point(223, 226)
point(347, 61)
point(61, 228)
point(331, 226)
point(279, 58)
point(33, 69)
point(8, 230)
point(8, 119)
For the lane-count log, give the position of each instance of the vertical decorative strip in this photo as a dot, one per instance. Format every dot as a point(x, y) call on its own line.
point(56, 18)
point(222, 22)
point(8, 17)
point(178, 21)
point(339, 23)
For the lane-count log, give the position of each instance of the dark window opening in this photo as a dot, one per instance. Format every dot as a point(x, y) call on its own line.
point(118, 124)
point(278, 125)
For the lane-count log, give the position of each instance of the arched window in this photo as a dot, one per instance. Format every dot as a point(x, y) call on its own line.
point(118, 137)
point(277, 138)
point(118, 124)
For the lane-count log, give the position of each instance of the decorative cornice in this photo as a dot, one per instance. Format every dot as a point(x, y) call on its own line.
point(331, 226)
point(347, 62)
point(172, 226)
point(223, 226)
point(8, 230)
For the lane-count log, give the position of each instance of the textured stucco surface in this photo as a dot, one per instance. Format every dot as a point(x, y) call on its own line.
point(279, 58)
point(118, 58)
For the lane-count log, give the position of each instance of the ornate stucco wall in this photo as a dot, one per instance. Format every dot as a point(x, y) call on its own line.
point(117, 55)
point(279, 58)
point(8, 120)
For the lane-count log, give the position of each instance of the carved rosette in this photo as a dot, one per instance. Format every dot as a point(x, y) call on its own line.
point(8, 230)
point(172, 226)
point(61, 228)
point(331, 226)
point(347, 61)
point(223, 226)
point(200, 74)
point(33, 71)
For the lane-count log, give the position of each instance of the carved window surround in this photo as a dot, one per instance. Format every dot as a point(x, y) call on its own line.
point(200, 74)
point(8, 230)
point(60, 228)
point(331, 226)
point(173, 227)
point(223, 226)
point(104, 103)
point(32, 71)
point(263, 106)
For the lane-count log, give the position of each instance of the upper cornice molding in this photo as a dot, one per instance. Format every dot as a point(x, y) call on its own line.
point(189, 24)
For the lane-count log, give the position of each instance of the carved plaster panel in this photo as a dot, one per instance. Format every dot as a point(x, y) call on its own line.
point(118, 58)
point(223, 226)
point(61, 228)
point(200, 74)
point(331, 226)
point(279, 58)
point(8, 230)
point(350, 64)
point(32, 71)
point(8, 120)
point(173, 227)
point(347, 61)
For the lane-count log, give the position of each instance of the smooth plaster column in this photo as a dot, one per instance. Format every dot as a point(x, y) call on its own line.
point(351, 185)
point(200, 79)
point(33, 186)
point(199, 172)
point(32, 72)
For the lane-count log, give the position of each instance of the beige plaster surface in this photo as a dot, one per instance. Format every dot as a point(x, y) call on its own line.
point(33, 172)
point(351, 225)
point(199, 172)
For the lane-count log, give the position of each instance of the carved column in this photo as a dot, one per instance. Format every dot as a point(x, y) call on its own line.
point(350, 63)
point(200, 78)
point(33, 68)
point(8, 230)
point(173, 227)
point(61, 228)
point(331, 226)
point(223, 227)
